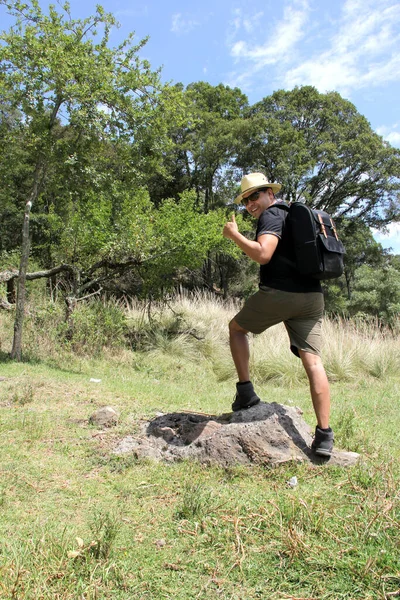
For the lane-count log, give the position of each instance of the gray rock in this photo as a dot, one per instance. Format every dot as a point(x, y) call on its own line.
point(104, 417)
point(266, 434)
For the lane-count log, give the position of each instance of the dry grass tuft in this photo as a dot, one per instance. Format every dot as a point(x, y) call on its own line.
point(351, 350)
point(194, 327)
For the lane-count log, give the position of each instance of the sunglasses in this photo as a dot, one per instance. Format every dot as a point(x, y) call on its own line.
point(252, 198)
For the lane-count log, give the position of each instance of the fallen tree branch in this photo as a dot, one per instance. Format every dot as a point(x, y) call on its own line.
point(14, 273)
point(5, 305)
point(8, 275)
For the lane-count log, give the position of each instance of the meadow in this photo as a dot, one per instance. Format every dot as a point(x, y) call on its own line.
point(79, 522)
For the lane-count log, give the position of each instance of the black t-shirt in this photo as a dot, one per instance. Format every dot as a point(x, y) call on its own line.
point(279, 274)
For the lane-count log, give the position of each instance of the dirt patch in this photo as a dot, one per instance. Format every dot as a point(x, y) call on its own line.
point(267, 434)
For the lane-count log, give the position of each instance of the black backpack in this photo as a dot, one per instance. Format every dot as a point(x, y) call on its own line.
point(318, 250)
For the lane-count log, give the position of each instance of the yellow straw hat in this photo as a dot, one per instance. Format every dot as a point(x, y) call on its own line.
point(254, 181)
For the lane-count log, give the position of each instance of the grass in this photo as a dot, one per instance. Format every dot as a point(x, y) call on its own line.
point(77, 522)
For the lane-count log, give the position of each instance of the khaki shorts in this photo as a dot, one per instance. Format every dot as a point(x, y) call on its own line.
point(301, 314)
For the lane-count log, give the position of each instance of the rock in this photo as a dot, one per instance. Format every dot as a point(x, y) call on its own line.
point(167, 433)
point(190, 432)
point(104, 417)
point(266, 434)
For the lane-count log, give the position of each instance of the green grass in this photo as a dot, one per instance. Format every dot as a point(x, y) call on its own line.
point(78, 522)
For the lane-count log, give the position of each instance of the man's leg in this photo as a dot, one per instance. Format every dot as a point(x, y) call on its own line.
point(322, 444)
point(239, 344)
point(319, 387)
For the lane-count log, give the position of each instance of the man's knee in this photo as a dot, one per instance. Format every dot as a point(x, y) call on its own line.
point(310, 361)
point(314, 367)
point(235, 328)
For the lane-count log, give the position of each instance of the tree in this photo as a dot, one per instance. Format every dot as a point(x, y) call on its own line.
point(204, 144)
point(361, 249)
point(213, 136)
point(144, 249)
point(324, 152)
point(58, 72)
point(377, 292)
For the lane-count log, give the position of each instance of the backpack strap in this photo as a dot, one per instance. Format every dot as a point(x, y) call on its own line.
point(282, 205)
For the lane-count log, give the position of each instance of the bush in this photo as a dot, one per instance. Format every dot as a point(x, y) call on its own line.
point(95, 326)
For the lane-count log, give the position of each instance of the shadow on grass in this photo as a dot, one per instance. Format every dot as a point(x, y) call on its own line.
point(5, 357)
point(52, 364)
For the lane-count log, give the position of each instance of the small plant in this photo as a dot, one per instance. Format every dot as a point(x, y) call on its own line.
point(117, 463)
point(104, 527)
point(95, 326)
point(32, 425)
point(345, 429)
point(23, 396)
point(195, 501)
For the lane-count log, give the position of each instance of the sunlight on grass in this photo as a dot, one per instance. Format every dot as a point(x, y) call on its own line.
point(77, 521)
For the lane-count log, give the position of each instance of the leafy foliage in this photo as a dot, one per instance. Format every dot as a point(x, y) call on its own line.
point(377, 292)
point(323, 151)
point(130, 178)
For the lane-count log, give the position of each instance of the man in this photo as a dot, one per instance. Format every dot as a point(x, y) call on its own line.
point(284, 296)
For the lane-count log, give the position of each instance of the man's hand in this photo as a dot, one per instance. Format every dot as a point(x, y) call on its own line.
point(230, 228)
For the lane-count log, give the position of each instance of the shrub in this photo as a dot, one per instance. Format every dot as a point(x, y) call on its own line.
point(95, 326)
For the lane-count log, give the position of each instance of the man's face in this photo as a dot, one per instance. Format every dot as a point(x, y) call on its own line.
point(258, 201)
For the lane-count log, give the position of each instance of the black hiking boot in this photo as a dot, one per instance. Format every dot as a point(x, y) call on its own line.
point(245, 396)
point(322, 444)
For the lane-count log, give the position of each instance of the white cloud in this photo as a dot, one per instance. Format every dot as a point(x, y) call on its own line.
point(358, 49)
point(393, 231)
point(391, 239)
point(391, 134)
point(181, 25)
point(364, 52)
point(280, 39)
point(394, 138)
point(233, 26)
point(250, 24)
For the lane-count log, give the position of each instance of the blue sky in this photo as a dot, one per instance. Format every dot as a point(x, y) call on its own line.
point(351, 46)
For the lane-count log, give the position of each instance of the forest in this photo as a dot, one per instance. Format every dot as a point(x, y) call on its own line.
point(115, 184)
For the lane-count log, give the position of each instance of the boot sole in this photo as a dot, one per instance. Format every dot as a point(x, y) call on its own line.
point(236, 408)
point(321, 452)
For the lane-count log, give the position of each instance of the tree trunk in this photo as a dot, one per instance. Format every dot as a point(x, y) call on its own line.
point(16, 351)
point(21, 287)
point(207, 271)
point(23, 267)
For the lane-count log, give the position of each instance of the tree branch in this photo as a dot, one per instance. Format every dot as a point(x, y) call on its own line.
point(14, 273)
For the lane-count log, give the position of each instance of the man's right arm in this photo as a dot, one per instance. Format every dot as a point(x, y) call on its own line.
point(261, 250)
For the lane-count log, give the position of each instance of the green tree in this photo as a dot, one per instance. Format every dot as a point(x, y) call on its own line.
point(361, 249)
point(212, 140)
point(144, 250)
point(204, 145)
point(376, 292)
point(324, 152)
point(204, 148)
point(59, 74)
